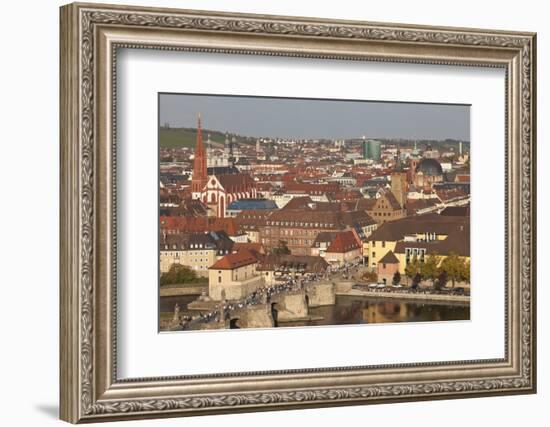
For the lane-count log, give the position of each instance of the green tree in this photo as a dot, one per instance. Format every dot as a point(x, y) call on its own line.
point(412, 268)
point(429, 269)
point(466, 272)
point(178, 274)
point(281, 249)
point(396, 278)
point(455, 268)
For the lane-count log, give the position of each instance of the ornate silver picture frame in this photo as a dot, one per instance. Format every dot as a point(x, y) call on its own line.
point(91, 35)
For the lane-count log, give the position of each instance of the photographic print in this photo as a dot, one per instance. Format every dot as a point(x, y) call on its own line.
point(280, 212)
point(294, 177)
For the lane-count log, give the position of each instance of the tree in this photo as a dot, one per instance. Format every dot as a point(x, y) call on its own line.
point(441, 279)
point(455, 268)
point(370, 277)
point(429, 269)
point(416, 280)
point(281, 249)
point(412, 268)
point(466, 272)
point(178, 274)
point(396, 279)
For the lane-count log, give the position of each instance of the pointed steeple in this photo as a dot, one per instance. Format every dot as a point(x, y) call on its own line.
point(200, 174)
point(399, 186)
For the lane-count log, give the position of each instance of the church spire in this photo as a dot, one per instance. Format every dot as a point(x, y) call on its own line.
point(199, 131)
point(200, 172)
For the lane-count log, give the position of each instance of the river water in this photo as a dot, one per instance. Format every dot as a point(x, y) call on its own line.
point(360, 310)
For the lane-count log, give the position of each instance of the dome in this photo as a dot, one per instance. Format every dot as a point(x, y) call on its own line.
point(429, 167)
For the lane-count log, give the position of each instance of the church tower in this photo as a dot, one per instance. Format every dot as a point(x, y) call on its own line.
point(399, 186)
point(200, 172)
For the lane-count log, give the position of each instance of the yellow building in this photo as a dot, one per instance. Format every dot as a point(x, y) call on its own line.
point(234, 276)
point(417, 237)
point(198, 251)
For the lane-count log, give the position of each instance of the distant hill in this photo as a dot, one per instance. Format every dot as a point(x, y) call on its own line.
point(185, 137)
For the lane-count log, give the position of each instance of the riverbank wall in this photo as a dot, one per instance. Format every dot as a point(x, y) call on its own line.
point(183, 290)
point(460, 299)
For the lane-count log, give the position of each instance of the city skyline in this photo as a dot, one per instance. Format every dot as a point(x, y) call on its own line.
point(301, 118)
point(313, 232)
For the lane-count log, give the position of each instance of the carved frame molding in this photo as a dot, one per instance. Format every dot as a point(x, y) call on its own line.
point(90, 390)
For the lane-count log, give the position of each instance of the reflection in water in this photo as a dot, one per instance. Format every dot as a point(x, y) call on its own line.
point(353, 310)
point(357, 310)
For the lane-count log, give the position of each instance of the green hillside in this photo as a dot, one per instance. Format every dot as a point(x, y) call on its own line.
point(187, 137)
point(184, 137)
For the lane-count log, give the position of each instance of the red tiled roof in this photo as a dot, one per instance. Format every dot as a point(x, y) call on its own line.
point(348, 195)
point(226, 224)
point(236, 182)
point(450, 194)
point(301, 218)
point(311, 188)
point(190, 224)
point(298, 203)
point(235, 260)
point(344, 242)
point(255, 248)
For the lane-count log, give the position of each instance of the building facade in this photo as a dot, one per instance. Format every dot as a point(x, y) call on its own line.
point(234, 276)
point(387, 267)
point(198, 251)
point(417, 237)
point(387, 208)
point(218, 190)
point(345, 248)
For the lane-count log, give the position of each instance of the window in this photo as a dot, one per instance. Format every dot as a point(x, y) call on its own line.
point(374, 254)
point(383, 244)
point(219, 279)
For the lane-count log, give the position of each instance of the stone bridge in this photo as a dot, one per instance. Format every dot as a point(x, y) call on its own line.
point(280, 308)
point(292, 306)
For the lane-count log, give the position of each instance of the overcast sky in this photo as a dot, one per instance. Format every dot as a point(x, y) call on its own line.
point(313, 118)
